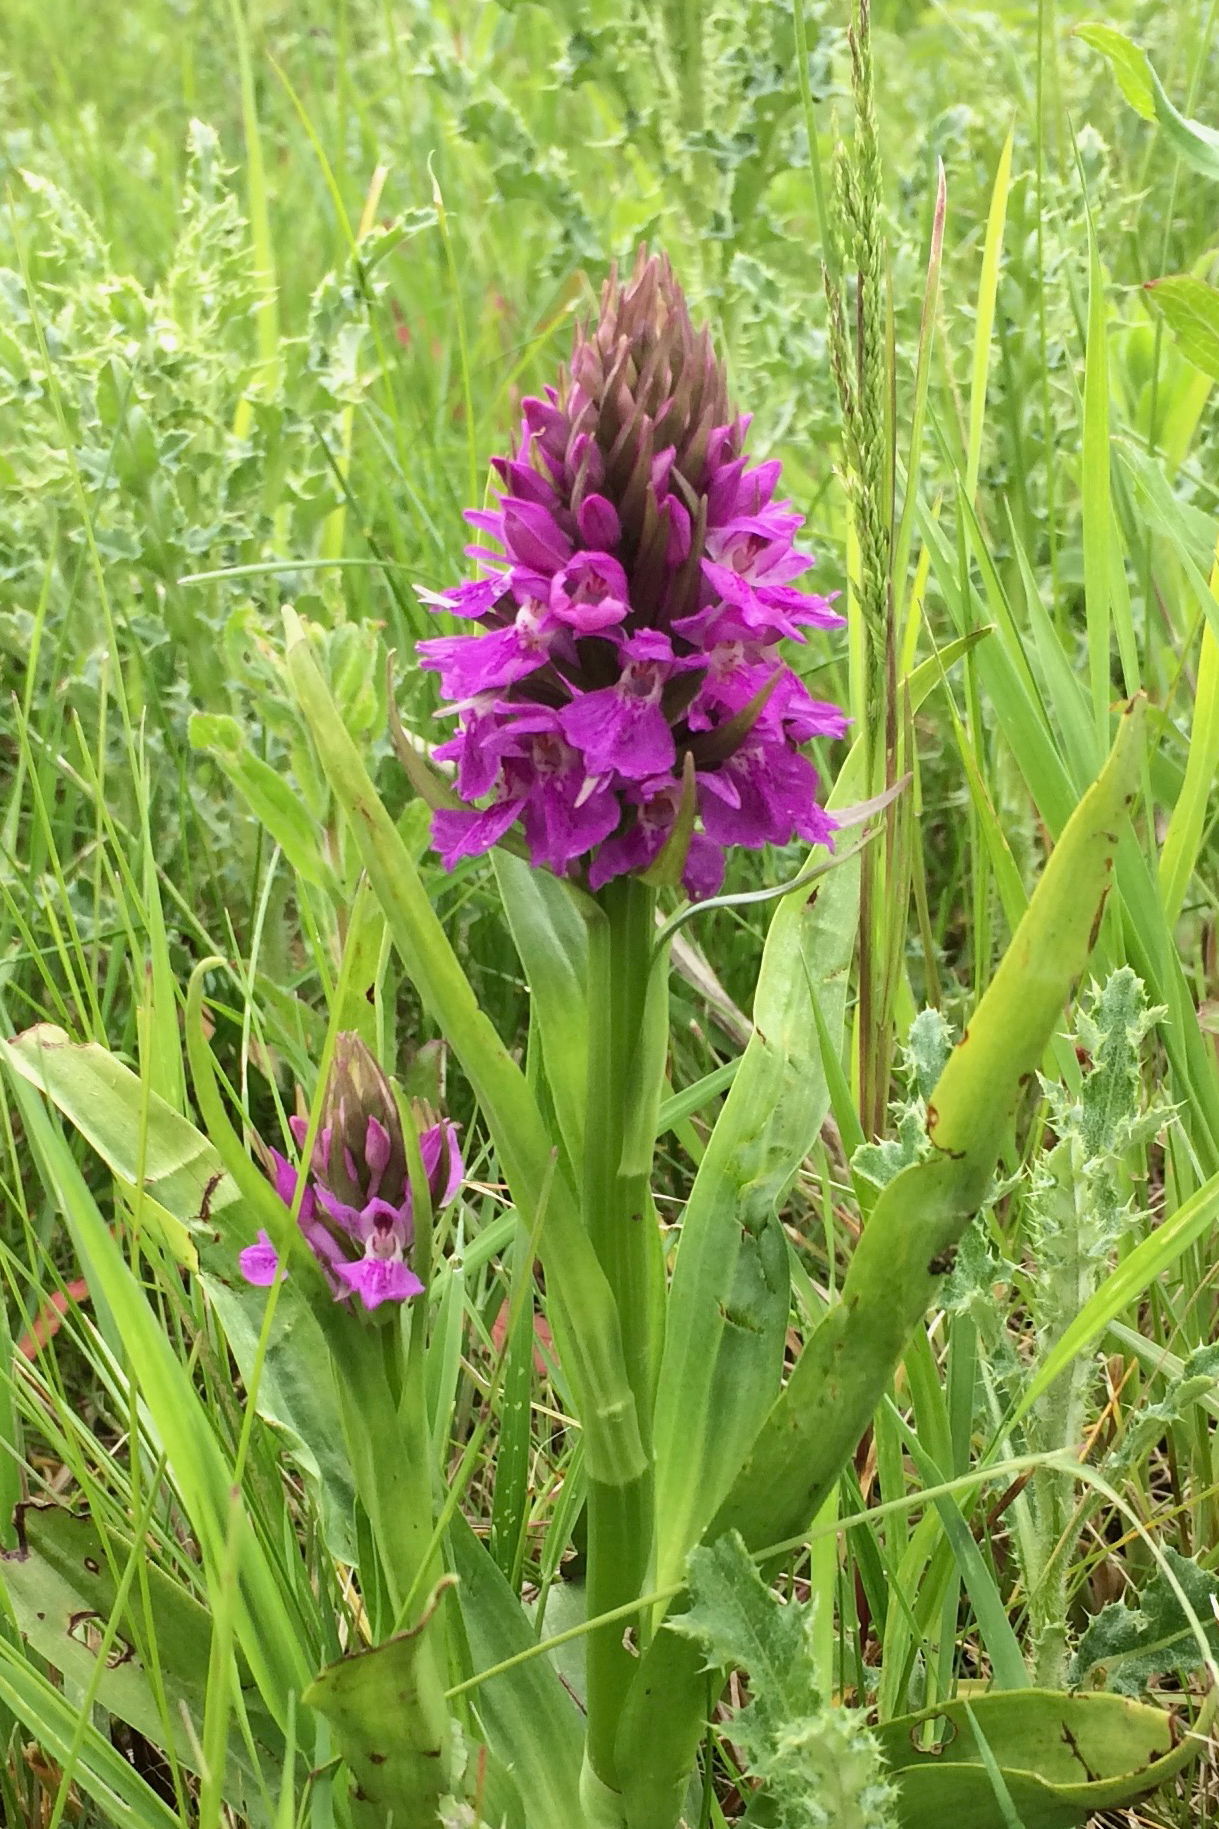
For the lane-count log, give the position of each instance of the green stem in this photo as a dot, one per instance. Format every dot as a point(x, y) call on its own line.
point(1069, 1283)
point(620, 1218)
point(381, 1391)
point(389, 1448)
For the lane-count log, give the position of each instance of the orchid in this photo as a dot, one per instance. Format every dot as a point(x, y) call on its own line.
point(355, 1211)
point(623, 668)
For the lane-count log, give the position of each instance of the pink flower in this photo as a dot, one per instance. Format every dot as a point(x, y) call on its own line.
point(356, 1211)
point(630, 622)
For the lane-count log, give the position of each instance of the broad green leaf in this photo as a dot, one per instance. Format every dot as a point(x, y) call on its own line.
point(140, 1138)
point(391, 1725)
point(1190, 308)
point(582, 1304)
point(179, 1421)
point(1062, 1758)
point(529, 1719)
point(717, 1376)
point(728, 1302)
point(296, 1393)
point(1192, 141)
point(909, 1241)
point(1130, 65)
point(62, 1592)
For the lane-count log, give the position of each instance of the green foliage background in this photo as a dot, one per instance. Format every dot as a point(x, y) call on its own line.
point(272, 281)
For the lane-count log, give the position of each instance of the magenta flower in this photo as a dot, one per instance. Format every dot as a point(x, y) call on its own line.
point(356, 1209)
point(624, 652)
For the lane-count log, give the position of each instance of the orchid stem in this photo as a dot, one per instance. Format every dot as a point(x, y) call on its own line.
point(621, 1222)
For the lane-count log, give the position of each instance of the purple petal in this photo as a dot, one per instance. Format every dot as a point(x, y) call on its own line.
point(457, 833)
point(524, 481)
point(636, 848)
point(259, 1262)
point(561, 827)
point(681, 533)
point(377, 1150)
point(704, 871)
point(387, 1220)
point(649, 645)
point(534, 537)
point(723, 495)
point(470, 664)
point(440, 1150)
point(624, 856)
point(777, 789)
point(376, 1280)
point(350, 1218)
point(478, 598)
point(286, 1176)
point(630, 736)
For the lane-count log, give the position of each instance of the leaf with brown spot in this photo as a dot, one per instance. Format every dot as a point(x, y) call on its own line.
point(391, 1723)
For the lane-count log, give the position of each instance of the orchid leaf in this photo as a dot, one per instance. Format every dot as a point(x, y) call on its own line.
point(529, 1719)
point(728, 1302)
point(552, 944)
point(911, 1236)
point(906, 1247)
point(391, 1726)
point(1062, 1758)
point(138, 1136)
point(267, 793)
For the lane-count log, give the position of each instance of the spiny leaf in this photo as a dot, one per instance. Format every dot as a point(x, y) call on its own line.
point(1125, 1646)
point(739, 1621)
point(820, 1766)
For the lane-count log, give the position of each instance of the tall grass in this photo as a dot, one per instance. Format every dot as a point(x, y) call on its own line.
point(273, 282)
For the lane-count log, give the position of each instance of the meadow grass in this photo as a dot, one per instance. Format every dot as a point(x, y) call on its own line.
point(273, 282)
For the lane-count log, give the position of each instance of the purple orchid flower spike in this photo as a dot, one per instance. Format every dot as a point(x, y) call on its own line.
point(356, 1210)
point(629, 620)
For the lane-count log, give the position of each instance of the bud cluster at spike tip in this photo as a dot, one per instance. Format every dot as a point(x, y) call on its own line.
point(625, 650)
point(356, 1208)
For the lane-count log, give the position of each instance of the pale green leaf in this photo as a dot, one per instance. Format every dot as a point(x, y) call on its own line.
point(1190, 308)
